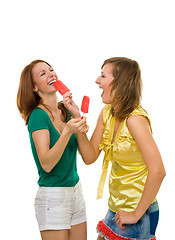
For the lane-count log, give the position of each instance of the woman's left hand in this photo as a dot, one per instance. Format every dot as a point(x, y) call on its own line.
point(122, 218)
point(70, 105)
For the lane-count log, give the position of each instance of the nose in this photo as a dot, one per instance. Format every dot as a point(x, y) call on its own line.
point(50, 74)
point(97, 80)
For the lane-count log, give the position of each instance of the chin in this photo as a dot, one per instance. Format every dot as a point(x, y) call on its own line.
point(106, 100)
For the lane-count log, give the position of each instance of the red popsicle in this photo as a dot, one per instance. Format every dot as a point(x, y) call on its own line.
point(85, 104)
point(60, 87)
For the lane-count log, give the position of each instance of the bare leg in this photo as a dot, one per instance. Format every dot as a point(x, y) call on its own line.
point(54, 235)
point(78, 232)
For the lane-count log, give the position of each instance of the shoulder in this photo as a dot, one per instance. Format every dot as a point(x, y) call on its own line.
point(38, 119)
point(139, 111)
point(138, 120)
point(38, 112)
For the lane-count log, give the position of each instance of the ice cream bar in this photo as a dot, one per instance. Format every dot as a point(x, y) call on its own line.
point(85, 104)
point(60, 87)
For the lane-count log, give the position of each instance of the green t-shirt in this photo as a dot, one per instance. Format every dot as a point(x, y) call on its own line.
point(64, 174)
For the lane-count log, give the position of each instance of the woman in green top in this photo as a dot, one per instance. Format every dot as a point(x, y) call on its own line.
point(59, 204)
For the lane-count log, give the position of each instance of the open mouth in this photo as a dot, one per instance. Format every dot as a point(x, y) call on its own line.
point(51, 82)
point(102, 91)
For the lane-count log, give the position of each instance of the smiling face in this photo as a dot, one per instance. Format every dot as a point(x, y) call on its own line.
point(104, 82)
point(43, 76)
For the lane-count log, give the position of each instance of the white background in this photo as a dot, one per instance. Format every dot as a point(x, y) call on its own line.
point(75, 37)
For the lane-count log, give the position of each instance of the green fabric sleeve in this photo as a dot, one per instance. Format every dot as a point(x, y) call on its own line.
point(39, 119)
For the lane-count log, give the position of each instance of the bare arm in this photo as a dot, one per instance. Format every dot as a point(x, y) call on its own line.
point(50, 157)
point(89, 150)
point(140, 130)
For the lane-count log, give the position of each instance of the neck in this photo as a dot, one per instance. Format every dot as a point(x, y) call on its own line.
point(51, 102)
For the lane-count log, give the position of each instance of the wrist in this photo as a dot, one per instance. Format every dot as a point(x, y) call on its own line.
point(67, 131)
point(137, 215)
point(80, 135)
point(75, 116)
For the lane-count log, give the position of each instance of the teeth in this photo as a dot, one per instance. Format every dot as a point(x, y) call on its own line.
point(51, 82)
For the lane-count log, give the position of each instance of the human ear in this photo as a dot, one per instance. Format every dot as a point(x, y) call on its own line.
point(35, 89)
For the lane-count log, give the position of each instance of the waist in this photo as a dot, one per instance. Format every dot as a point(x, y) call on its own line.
point(44, 191)
point(126, 191)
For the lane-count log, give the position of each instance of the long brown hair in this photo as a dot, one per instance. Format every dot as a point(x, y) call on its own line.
point(27, 100)
point(126, 85)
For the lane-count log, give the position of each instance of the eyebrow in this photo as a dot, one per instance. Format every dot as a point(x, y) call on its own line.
point(50, 68)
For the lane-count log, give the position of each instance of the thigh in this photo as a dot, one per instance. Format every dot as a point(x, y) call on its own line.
point(54, 235)
point(108, 227)
point(52, 210)
point(78, 209)
point(78, 232)
point(149, 221)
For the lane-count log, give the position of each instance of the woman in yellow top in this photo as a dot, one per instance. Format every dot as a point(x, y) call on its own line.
point(124, 132)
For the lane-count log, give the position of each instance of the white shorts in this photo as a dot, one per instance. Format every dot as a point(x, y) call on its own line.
point(59, 208)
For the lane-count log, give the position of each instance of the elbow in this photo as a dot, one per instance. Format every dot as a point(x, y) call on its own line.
point(162, 173)
point(159, 174)
point(47, 170)
point(89, 159)
point(88, 162)
point(46, 167)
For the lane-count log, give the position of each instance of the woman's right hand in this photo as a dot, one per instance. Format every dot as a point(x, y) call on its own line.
point(70, 105)
point(77, 125)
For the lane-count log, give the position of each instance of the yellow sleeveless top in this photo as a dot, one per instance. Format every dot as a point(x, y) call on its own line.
point(129, 171)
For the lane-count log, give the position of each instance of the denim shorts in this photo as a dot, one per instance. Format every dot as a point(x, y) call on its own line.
point(144, 229)
point(59, 208)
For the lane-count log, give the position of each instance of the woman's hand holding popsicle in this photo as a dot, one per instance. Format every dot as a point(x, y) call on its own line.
point(77, 125)
point(70, 105)
point(67, 98)
point(73, 108)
